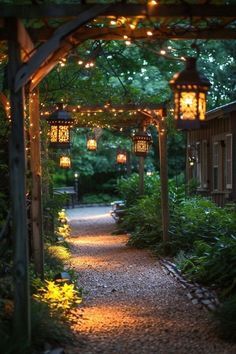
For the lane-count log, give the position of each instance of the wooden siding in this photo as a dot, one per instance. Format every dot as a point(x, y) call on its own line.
point(212, 130)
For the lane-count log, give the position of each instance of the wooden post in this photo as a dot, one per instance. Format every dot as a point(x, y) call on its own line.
point(164, 178)
point(36, 193)
point(17, 168)
point(141, 175)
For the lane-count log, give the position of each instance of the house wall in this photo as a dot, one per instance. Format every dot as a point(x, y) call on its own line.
point(213, 131)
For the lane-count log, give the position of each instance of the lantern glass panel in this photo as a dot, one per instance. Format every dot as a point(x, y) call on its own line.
point(202, 105)
point(121, 158)
point(188, 105)
point(65, 162)
point(53, 133)
point(141, 146)
point(91, 144)
point(63, 134)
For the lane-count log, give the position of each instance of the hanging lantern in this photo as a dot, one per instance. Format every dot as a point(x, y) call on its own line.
point(91, 144)
point(141, 143)
point(60, 123)
point(65, 162)
point(190, 89)
point(121, 157)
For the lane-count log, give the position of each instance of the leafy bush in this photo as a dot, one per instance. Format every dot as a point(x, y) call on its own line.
point(198, 218)
point(211, 264)
point(226, 319)
point(59, 297)
point(97, 198)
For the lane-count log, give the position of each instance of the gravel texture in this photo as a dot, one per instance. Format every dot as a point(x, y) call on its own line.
point(131, 306)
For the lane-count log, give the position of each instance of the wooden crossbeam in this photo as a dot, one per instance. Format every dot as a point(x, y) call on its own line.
point(25, 41)
point(164, 32)
point(53, 44)
point(117, 9)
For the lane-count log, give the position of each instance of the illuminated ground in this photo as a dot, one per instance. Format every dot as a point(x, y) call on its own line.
point(131, 306)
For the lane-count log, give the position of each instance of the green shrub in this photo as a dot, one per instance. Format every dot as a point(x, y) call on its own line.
point(212, 264)
point(97, 198)
point(226, 319)
point(198, 218)
point(59, 297)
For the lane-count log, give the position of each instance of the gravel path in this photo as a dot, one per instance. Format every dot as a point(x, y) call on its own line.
point(130, 305)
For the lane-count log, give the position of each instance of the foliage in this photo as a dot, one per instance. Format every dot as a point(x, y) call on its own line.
point(143, 214)
point(59, 297)
point(197, 218)
point(97, 198)
point(211, 263)
point(226, 319)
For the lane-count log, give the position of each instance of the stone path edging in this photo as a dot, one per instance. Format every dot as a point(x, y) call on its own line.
point(197, 294)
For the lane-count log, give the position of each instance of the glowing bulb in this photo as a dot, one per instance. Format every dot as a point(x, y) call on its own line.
point(128, 42)
point(113, 22)
point(80, 62)
point(125, 37)
point(149, 33)
point(162, 52)
point(132, 26)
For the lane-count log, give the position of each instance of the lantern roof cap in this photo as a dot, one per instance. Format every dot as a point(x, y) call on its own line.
point(60, 114)
point(190, 75)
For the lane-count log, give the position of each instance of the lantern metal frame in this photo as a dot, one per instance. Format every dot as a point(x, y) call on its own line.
point(141, 143)
point(121, 156)
point(60, 123)
point(190, 89)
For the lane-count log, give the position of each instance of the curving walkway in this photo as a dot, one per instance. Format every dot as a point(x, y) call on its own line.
point(130, 305)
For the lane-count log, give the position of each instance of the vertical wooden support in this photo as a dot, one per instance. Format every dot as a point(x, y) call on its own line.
point(17, 167)
point(36, 197)
point(141, 175)
point(164, 178)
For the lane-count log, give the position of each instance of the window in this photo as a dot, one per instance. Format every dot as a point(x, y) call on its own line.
point(228, 161)
point(216, 166)
point(204, 164)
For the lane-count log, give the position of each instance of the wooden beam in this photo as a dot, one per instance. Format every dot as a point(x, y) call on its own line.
point(162, 136)
point(17, 169)
point(5, 103)
point(36, 193)
point(24, 41)
point(50, 64)
point(117, 9)
point(53, 44)
point(164, 32)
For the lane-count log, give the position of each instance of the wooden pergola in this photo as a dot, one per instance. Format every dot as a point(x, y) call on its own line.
point(34, 52)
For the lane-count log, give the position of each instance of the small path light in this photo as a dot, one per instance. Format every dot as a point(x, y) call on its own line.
point(141, 143)
point(190, 88)
point(65, 161)
point(62, 277)
point(60, 123)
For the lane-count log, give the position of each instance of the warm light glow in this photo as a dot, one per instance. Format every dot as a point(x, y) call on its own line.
point(91, 144)
point(121, 157)
point(128, 42)
point(149, 33)
point(188, 105)
point(65, 162)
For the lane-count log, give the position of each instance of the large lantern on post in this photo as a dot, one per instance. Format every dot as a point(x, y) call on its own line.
point(190, 89)
point(65, 162)
point(141, 143)
point(91, 143)
point(60, 123)
point(121, 157)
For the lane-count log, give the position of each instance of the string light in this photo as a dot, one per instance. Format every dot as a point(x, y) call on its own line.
point(149, 33)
